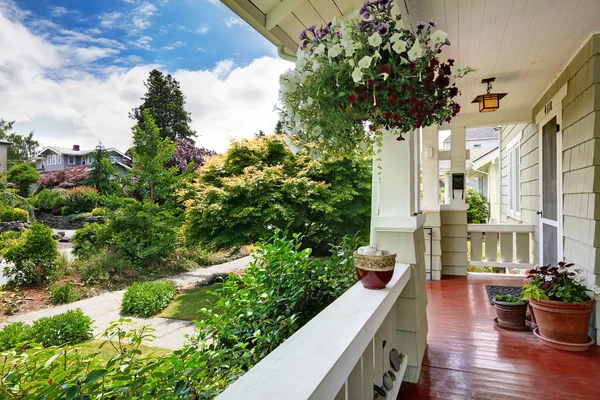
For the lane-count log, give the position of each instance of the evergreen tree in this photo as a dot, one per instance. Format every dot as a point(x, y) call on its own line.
point(23, 175)
point(102, 171)
point(23, 147)
point(166, 102)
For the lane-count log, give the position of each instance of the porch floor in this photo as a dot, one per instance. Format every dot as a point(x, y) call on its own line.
point(467, 358)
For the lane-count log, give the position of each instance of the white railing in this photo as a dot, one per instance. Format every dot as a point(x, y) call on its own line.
point(338, 355)
point(511, 251)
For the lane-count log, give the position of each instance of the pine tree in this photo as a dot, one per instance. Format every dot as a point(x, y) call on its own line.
point(102, 171)
point(165, 101)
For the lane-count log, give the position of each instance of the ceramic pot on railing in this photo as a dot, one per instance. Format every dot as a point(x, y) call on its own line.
point(375, 268)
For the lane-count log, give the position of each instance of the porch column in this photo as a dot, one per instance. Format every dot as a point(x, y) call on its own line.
point(447, 188)
point(454, 214)
point(431, 200)
point(397, 226)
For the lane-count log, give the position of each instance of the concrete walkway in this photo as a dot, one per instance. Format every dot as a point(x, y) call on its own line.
point(105, 309)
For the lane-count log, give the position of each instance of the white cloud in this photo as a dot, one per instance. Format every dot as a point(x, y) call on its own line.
point(109, 19)
point(77, 106)
point(142, 14)
point(174, 45)
point(58, 11)
point(234, 21)
point(203, 29)
point(144, 43)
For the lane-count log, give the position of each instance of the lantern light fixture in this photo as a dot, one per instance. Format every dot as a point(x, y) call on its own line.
point(489, 102)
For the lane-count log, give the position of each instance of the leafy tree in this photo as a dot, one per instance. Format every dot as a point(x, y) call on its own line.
point(279, 128)
point(259, 184)
point(23, 175)
point(479, 210)
point(23, 147)
point(165, 101)
point(102, 171)
point(65, 178)
point(188, 157)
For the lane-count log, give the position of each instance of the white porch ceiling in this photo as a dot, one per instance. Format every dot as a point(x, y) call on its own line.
point(525, 44)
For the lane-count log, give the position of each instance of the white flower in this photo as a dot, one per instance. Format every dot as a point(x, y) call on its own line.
point(351, 62)
point(399, 46)
point(377, 55)
point(459, 69)
point(595, 289)
point(438, 36)
point(395, 37)
point(399, 24)
point(415, 52)
point(365, 62)
point(320, 49)
point(315, 66)
point(548, 278)
point(300, 63)
point(334, 51)
point(375, 40)
point(357, 75)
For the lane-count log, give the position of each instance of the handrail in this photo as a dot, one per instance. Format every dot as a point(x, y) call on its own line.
point(316, 361)
point(511, 251)
point(521, 228)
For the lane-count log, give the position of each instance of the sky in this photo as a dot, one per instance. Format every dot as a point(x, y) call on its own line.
point(72, 70)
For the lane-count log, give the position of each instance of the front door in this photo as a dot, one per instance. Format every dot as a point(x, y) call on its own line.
point(550, 192)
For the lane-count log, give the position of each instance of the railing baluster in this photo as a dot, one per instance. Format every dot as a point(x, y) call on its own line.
point(476, 246)
point(378, 363)
point(354, 382)
point(367, 372)
point(506, 247)
point(491, 246)
point(342, 393)
point(522, 248)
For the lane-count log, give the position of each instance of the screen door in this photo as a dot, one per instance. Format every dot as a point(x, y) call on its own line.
point(550, 236)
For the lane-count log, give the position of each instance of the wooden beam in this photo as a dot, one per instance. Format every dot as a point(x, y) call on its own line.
point(281, 11)
point(500, 117)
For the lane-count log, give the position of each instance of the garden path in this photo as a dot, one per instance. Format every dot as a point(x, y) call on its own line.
point(105, 308)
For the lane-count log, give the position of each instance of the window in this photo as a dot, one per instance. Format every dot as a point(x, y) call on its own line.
point(59, 160)
point(71, 160)
point(48, 160)
point(54, 159)
point(514, 177)
point(89, 159)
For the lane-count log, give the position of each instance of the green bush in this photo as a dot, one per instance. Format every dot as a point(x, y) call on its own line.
point(479, 210)
point(12, 214)
point(62, 294)
point(23, 175)
point(9, 239)
point(99, 212)
point(49, 199)
point(34, 257)
point(78, 217)
point(102, 266)
point(90, 239)
point(13, 334)
point(70, 327)
point(80, 200)
point(9, 199)
point(146, 299)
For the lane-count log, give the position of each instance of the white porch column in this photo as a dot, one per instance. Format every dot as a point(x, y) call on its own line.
point(454, 215)
point(431, 200)
point(447, 188)
point(397, 226)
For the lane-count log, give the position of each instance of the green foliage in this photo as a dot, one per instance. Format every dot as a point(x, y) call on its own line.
point(34, 257)
point(80, 200)
point(479, 209)
point(22, 148)
point(78, 217)
point(9, 239)
point(14, 200)
point(146, 299)
point(237, 198)
point(102, 266)
point(90, 239)
point(49, 199)
point(508, 298)
point(102, 172)
point(13, 334)
point(99, 212)
point(62, 294)
point(10, 214)
point(563, 282)
point(70, 327)
point(164, 102)
point(188, 305)
point(23, 175)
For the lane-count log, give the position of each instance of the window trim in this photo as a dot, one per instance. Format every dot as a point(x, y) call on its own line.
point(69, 160)
point(514, 177)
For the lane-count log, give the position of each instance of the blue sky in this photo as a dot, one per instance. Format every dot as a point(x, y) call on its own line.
point(73, 69)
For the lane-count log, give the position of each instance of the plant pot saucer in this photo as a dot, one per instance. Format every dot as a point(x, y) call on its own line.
point(525, 328)
point(555, 344)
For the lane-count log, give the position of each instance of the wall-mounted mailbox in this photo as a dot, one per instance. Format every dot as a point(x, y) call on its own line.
point(458, 183)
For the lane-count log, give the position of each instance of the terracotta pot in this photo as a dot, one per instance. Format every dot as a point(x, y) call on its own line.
point(375, 272)
point(511, 315)
point(563, 322)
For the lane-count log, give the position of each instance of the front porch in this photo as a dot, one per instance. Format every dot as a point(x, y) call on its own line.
point(467, 358)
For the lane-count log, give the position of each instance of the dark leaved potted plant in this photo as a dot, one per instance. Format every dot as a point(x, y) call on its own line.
point(562, 305)
point(510, 311)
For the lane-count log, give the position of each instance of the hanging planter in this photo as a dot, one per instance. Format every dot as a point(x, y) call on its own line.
point(367, 67)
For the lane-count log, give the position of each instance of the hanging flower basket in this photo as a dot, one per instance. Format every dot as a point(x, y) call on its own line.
point(368, 66)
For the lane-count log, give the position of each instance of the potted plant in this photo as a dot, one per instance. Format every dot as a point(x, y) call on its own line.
point(367, 67)
point(511, 312)
point(562, 305)
point(375, 268)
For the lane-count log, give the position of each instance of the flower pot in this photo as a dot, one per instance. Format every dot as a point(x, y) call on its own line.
point(563, 322)
point(511, 316)
point(375, 272)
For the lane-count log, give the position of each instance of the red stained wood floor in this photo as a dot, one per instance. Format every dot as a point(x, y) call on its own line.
point(467, 358)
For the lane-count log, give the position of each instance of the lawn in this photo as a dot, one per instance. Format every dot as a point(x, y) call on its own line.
point(187, 305)
point(107, 351)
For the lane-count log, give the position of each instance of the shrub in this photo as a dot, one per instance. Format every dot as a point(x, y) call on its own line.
point(79, 217)
point(65, 178)
point(99, 212)
point(103, 266)
point(13, 334)
point(9, 239)
point(14, 200)
point(70, 327)
point(10, 214)
point(62, 294)
point(34, 257)
point(146, 299)
point(90, 239)
point(49, 199)
point(24, 175)
point(479, 210)
point(80, 200)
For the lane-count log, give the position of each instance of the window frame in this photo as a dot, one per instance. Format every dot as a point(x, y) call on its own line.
point(69, 160)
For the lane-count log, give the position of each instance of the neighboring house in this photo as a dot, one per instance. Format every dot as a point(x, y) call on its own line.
point(478, 138)
point(485, 170)
point(4, 155)
point(53, 158)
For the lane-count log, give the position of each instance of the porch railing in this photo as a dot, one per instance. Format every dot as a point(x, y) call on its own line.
point(338, 355)
point(500, 245)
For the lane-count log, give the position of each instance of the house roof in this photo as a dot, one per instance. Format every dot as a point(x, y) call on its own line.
point(70, 152)
point(475, 154)
point(5, 142)
point(485, 158)
point(479, 134)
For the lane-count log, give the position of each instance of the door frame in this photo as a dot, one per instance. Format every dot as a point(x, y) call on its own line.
point(551, 109)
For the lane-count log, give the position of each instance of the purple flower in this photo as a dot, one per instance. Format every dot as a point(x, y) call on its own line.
point(303, 35)
point(420, 26)
point(385, 3)
point(383, 29)
point(547, 286)
point(321, 33)
point(432, 23)
point(447, 42)
point(312, 29)
point(365, 25)
point(364, 11)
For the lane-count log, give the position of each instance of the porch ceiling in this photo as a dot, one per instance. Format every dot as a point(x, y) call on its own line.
point(525, 44)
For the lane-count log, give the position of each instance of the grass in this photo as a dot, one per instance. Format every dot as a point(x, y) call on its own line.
point(107, 351)
point(187, 305)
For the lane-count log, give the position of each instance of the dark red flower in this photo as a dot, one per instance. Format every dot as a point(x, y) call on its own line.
point(371, 82)
point(391, 89)
point(397, 117)
point(450, 62)
point(378, 88)
point(362, 98)
point(411, 65)
point(387, 115)
point(362, 90)
point(352, 98)
point(413, 90)
point(453, 91)
point(400, 138)
point(391, 101)
point(433, 62)
point(385, 69)
point(372, 127)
